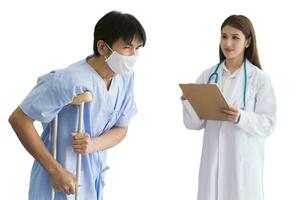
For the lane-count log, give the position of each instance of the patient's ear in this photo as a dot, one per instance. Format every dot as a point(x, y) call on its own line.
point(102, 48)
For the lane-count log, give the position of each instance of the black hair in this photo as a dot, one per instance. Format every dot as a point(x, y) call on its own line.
point(116, 25)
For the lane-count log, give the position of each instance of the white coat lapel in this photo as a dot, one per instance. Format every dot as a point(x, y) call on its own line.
point(237, 98)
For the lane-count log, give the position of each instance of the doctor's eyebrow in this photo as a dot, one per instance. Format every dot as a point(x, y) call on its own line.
point(235, 34)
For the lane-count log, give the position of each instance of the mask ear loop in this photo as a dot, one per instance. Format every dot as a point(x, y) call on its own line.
point(109, 49)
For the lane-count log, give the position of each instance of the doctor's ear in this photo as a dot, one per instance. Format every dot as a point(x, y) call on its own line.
point(102, 48)
point(248, 42)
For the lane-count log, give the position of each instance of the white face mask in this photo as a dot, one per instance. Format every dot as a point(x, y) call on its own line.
point(120, 64)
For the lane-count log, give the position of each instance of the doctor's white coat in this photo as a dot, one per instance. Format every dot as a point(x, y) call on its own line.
point(233, 154)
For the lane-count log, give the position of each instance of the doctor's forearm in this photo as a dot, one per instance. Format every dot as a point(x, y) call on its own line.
point(27, 134)
point(111, 138)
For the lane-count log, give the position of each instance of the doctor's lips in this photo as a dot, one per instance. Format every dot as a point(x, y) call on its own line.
point(228, 50)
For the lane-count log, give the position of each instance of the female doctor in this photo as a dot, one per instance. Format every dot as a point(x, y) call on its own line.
point(233, 150)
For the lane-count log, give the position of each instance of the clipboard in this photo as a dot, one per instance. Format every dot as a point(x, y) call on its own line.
point(206, 99)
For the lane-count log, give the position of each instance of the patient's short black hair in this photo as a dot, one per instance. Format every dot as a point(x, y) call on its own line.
point(116, 25)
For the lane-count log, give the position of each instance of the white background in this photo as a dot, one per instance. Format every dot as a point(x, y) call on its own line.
point(159, 159)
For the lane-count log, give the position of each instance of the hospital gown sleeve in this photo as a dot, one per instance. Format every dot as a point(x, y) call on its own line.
point(190, 117)
point(51, 93)
point(130, 109)
point(262, 121)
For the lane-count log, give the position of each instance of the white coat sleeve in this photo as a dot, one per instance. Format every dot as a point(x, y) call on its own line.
point(190, 117)
point(262, 121)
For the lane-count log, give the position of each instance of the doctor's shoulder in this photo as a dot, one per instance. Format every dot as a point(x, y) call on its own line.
point(259, 76)
point(205, 75)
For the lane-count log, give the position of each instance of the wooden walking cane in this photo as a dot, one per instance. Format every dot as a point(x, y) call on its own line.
point(79, 100)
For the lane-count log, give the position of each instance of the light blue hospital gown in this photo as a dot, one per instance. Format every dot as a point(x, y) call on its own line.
point(52, 95)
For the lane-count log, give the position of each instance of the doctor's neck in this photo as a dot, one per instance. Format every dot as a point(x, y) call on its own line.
point(100, 66)
point(233, 64)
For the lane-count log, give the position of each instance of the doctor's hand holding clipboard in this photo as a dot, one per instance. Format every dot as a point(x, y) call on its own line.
point(209, 103)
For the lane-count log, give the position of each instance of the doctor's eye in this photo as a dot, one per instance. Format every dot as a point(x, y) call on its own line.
point(235, 38)
point(224, 36)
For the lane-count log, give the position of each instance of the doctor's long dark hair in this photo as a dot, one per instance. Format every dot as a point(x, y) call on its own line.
point(243, 24)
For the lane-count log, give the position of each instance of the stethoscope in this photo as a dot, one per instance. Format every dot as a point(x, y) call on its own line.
point(217, 78)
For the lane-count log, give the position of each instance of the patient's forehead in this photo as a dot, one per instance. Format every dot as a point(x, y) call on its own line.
point(134, 42)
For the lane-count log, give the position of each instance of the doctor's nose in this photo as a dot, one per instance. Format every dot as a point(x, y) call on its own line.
point(227, 43)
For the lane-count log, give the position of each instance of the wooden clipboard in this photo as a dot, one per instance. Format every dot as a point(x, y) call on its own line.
point(206, 99)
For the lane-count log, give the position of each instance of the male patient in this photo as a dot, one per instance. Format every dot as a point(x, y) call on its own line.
point(108, 75)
